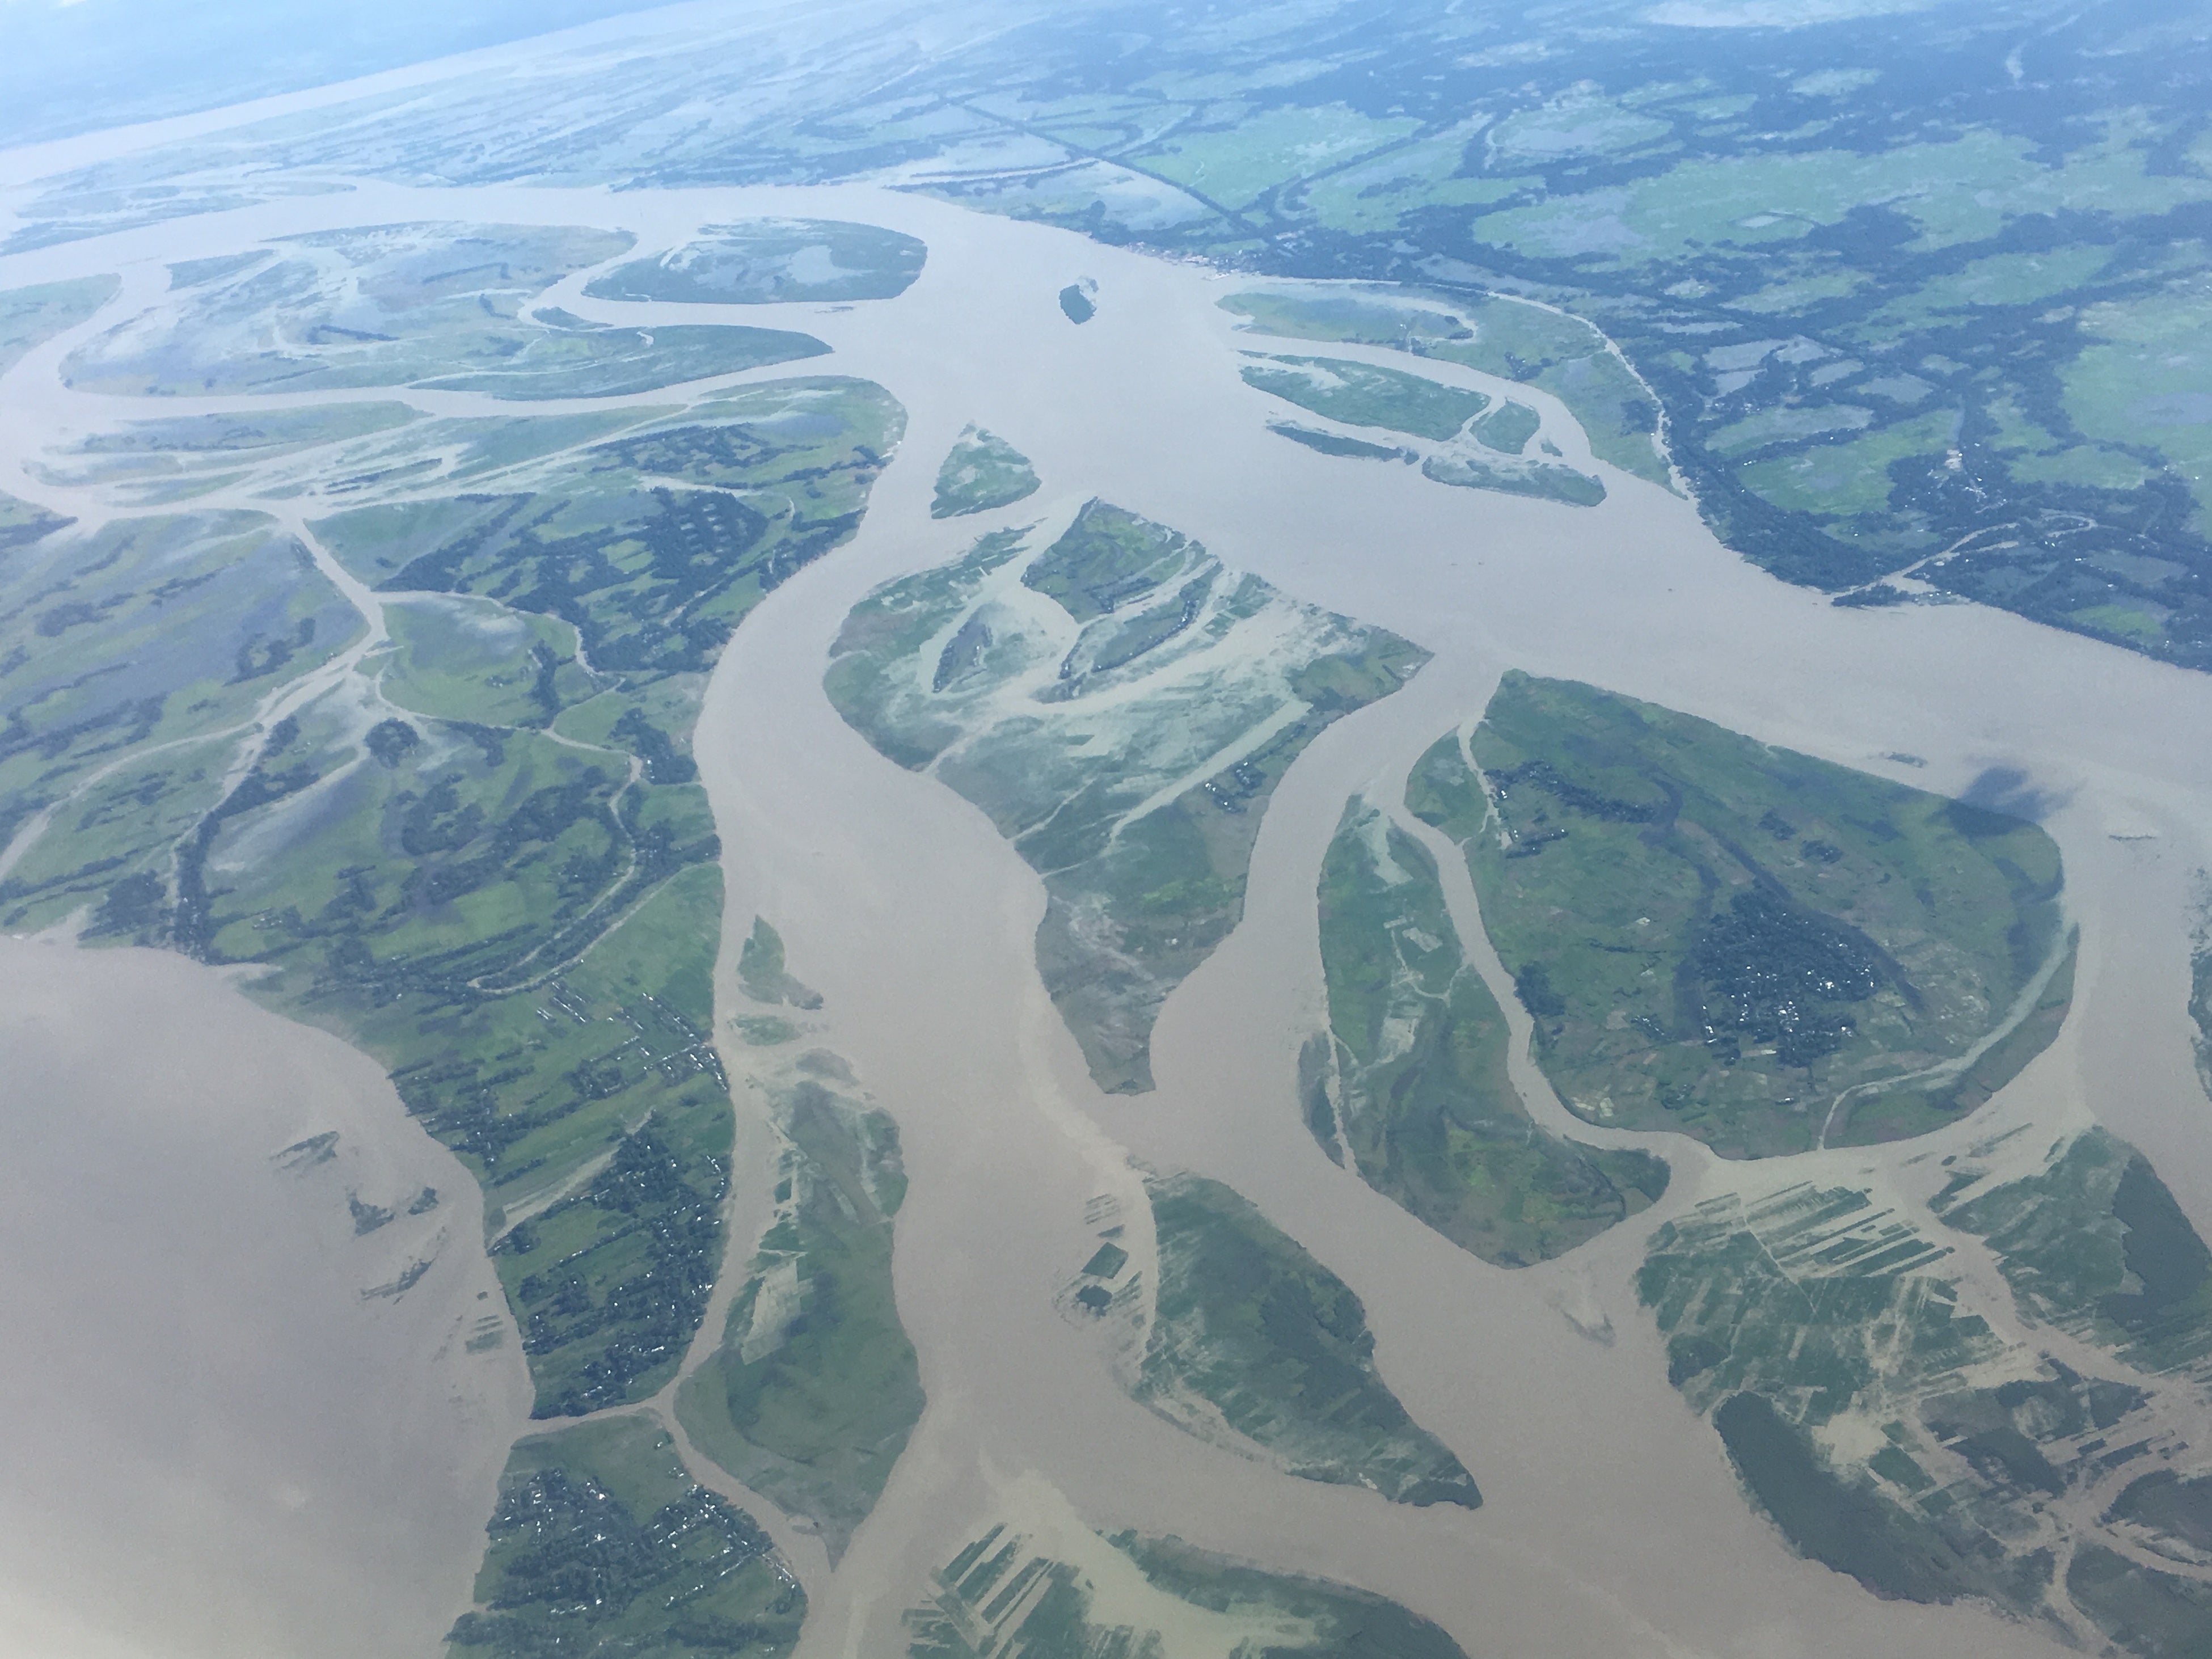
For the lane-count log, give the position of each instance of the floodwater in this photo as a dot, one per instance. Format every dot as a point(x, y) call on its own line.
point(222, 1442)
point(1612, 1522)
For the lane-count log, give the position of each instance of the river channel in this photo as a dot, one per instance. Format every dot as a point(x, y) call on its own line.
point(1613, 1521)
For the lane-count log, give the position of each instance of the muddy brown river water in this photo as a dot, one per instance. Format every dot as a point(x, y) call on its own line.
point(220, 1422)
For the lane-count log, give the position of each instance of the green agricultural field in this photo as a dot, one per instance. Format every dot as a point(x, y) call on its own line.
point(1543, 479)
point(1003, 1594)
point(1360, 394)
point(982, 471)
point(603, 1545)
point(1513, 339)
point(1754, 947)
point(1123, 707)
point(653, 578)
point(1421, 1107)
point(1250, 1331)
point(1235, 160)
point(772, 261)
point(30, 316)
point(2094, 1244)
point(131, 657)
point(811, 1397)
point(1508, 427)
point(486, 859)
point(440, 307)
point(458, 659)
point(21, 523)
point(154, 463)
point(1873, 1411)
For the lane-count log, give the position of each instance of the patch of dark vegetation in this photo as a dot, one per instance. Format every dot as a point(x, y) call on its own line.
point(1732, 939)
point(602, 1545)
point(1836, 1523)
point(1422, 1105)
point(1247, 1321)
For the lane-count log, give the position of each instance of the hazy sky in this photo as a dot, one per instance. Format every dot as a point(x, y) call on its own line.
point(74, 65)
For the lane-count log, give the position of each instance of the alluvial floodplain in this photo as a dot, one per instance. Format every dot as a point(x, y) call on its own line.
point(910, 914)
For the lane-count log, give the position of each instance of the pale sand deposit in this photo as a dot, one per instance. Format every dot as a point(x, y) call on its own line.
point(1613, 1524)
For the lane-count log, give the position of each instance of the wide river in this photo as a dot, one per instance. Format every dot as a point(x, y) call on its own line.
point(1613, 1521)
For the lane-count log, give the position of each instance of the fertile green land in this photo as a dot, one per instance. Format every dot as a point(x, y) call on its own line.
point(772, 261)
point(1874, 1411)
point(1513, 339)
point(1360, 394)
point(1122, 706)
point(1462, 445)
point(1413, 1091)
point(603, 1547)
point(1922, 294)
point(982, 471)
point(444, 307)
point(488, 862)
point(2094, 1244)
point(30, 316)
point(1250, 1330)
point(134, 660)
point(814, 1389)
point(1757, 948)
point(1005, 1592)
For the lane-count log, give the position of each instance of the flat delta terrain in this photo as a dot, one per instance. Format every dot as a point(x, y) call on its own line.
point(1410, 1089)
point(1122, 705)
point(772, 262)
point(1764, 950)
point(455, 529)
point(1250, 1333)
point(1904, 1425)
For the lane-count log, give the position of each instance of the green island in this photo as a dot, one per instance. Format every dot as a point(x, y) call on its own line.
point(603, 1547)
point(1545, 480)
point(1250, 1331)
point(1757, 948)
point(31, 316)
point(982, 471)
point(442, 307)
point(2094, 1244)
point(1075, 1593)
point(814, 1388)
point(1874, 1411)
point(1472, 449)
point(761, 971)
point(1335, 443)
point(1121, 706)
point(1362, 394)
point(486, 861)
point(1493, 334)
point(1411, 1090)
point(772, 261)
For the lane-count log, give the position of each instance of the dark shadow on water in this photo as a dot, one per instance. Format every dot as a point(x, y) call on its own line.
point(2001, 794)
